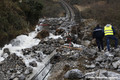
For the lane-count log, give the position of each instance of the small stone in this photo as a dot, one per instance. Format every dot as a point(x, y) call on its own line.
point(21, 77)
point(16, 79)
point(28, 70)
point(118, 70)
point(5, 55)
point(33, 63)
point(90, 66)
point(86, 43)
point(13, 75)
point(6, 50)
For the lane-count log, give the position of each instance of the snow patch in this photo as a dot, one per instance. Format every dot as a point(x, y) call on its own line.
point(55, 37)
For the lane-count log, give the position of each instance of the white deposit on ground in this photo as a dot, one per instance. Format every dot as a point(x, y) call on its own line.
point(22, 42)
point(103, 75)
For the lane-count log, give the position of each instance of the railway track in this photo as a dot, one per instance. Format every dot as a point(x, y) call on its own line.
point(69, 11)
point(69, 16)
point(42, 73)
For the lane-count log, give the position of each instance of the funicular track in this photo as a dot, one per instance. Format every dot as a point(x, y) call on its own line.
point(70, 15)
point(69, 11)
point(73, 13)
point(42, 71)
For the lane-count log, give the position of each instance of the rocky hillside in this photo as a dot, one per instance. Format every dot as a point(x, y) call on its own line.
point(104, 11)
point(80, 60)
point(77, 56)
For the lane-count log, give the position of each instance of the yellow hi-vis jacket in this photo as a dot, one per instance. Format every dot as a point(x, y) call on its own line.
point(108, 30)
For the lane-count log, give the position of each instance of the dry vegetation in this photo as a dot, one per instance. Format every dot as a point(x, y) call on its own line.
point(104, 11)
point(52, 8)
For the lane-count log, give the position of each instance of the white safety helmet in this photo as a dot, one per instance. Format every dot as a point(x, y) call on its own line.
point(108, 25)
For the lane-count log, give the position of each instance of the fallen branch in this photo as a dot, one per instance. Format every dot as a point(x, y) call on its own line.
point(75, 48)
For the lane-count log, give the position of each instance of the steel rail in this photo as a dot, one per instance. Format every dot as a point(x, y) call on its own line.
point(69, 10)
point(46, 62)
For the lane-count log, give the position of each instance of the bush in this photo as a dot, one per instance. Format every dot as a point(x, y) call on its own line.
point(32, 10)
point(14, 19)
point(3, 38)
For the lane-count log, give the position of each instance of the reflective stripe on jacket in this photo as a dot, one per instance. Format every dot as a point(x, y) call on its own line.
point(108, 30)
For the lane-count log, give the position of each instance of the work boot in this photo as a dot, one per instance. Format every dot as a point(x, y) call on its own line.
point(99, 50)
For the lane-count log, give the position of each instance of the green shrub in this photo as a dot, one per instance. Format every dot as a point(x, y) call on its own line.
point(3, 38)
point(14, 19)
point(32, 10)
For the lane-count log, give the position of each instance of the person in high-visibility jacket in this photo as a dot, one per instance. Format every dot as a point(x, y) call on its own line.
point(109, 32)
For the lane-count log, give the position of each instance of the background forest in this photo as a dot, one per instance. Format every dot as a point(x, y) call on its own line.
point(20, 16)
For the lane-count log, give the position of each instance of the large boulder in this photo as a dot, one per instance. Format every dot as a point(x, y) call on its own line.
point(62, 42)
point(86, 43)
point(116, 64)
point(59, 31)
point(73, 74)
point(43, 34)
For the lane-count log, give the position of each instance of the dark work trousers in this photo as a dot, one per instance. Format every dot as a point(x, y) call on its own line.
point(99, 44)
point(108, 37)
